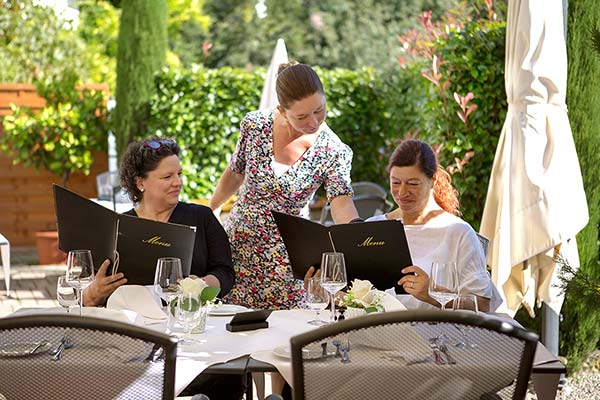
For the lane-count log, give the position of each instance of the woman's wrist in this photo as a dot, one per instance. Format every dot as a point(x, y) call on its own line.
point(356, 220)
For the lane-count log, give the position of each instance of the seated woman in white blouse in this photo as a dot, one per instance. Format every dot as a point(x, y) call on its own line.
point(428, 205)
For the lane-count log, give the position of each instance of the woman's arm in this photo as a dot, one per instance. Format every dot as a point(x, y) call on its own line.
point(228, 185)
point(219, 266)
point(102, 286)
point(342, 209)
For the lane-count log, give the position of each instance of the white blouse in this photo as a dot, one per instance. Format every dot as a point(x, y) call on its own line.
point(447, 237)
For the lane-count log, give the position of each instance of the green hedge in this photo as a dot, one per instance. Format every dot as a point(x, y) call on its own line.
point(203, 109)
point(472, 61)
point(580, 331)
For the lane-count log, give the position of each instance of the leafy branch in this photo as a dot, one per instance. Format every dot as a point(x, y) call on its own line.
point(580, 282)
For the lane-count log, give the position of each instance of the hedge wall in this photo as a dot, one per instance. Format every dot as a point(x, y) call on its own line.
point(203, 109)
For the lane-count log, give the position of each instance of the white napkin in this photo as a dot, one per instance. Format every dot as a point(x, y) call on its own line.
point(391, 303)
point(136, 298)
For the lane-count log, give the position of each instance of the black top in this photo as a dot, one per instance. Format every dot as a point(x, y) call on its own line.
point(212, 254)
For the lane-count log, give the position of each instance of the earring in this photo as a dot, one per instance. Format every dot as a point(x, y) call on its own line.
point(142, 190)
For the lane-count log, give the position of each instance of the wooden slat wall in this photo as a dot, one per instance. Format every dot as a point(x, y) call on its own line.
point(26, 203)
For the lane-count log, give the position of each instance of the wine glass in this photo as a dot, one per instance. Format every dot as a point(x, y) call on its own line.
point(65, 293)
point(333, 276)
point(80, 272)
point(167, 276)
point(316, 299)
point(187, 313)
point(443, 282)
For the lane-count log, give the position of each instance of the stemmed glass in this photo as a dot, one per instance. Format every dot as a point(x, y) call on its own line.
point(333, 276)
point(167, 276)
point(443, 282)
point(465, 302)
point(65, 293)
point(80, 272)
point(316, 299)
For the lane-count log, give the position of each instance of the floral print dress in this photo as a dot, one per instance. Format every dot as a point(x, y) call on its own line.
point(262, 270)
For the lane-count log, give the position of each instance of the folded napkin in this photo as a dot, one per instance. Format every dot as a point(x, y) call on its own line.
point(136, 298)
point(391, 303)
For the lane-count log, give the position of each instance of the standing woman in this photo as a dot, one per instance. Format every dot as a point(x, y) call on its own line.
point(282, 157)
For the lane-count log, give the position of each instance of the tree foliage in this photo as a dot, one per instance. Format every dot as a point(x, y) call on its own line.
point(335, 33)
point(141, 53)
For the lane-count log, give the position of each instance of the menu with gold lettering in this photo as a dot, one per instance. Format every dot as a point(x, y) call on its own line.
point(132, 244)
point(376, 251)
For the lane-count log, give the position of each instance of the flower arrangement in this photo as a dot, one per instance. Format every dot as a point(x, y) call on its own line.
point(196, 292)
point(363, 295)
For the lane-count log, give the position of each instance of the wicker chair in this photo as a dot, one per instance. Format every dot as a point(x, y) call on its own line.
point(401, 355)
point(103, 359)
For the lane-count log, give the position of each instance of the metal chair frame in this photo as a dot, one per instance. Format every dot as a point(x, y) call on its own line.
point(529, 338)
point(166, 342)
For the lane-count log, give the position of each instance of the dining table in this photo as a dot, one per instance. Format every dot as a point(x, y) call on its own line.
point(218, 350)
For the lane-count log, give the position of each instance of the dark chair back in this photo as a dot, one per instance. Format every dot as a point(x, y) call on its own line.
point(401, 355)
point(104, 359)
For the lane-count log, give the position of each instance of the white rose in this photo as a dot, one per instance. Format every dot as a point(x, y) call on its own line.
point(192, 286)
point(360, 288)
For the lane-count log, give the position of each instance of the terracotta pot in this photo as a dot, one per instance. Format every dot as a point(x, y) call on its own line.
point(47, 248)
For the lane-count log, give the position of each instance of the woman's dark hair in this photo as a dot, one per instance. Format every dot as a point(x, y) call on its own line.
point(411, 152)
point(296, 82)
point(142, 157)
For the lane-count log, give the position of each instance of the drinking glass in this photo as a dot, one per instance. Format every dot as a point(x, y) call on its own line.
point(316, 299)
point(443, 282)
point(333, 276)
point(65, 293)
point(465, 302)
point(80, 272)
point(167, 276)
point(187, 313)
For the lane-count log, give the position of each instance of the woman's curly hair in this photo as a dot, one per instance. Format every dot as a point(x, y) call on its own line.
point(412, 152)
point(140, 158)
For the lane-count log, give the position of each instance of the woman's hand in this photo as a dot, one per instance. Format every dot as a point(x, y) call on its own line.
point(311, 273)
point(102, 287)
point(417, 284)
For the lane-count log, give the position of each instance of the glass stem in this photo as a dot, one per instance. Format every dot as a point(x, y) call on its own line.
point(332, 307)
point(80, 290)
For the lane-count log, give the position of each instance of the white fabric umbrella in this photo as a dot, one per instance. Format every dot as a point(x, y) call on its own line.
point(269, 96)
point(535, 202)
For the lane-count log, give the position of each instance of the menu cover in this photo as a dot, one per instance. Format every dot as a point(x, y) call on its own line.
point(376, 251)
point(132, 244)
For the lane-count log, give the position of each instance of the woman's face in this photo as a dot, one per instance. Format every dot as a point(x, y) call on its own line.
point(306, 116)
point(162, 185)
point(410, 188)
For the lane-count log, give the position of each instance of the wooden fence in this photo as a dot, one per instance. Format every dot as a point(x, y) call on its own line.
point(26, 202)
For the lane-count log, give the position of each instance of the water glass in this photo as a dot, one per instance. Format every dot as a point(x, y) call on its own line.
point(188, 311)
point(65, 293)
point(443, 282)
point(316, 299)
point(80, 272)
point(333, 276)
point(465, 302)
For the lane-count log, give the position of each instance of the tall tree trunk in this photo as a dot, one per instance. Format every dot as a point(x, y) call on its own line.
point(142, 50)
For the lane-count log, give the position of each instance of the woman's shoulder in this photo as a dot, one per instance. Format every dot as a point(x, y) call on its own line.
point(333, 142)
point(189, 213)
point(258, 117)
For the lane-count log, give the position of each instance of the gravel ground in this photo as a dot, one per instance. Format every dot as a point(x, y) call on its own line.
point(586, 384)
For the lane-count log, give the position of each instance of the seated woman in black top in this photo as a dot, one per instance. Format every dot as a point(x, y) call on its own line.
point(151, 175)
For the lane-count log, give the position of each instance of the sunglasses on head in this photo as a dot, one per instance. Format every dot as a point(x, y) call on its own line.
point(157, 144)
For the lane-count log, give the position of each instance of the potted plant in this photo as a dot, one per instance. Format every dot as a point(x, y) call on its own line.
point(60, 138)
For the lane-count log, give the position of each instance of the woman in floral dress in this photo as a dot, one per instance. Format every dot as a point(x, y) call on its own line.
point(282, 157)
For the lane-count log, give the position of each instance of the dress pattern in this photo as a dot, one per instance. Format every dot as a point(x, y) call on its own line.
point(263, 274)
